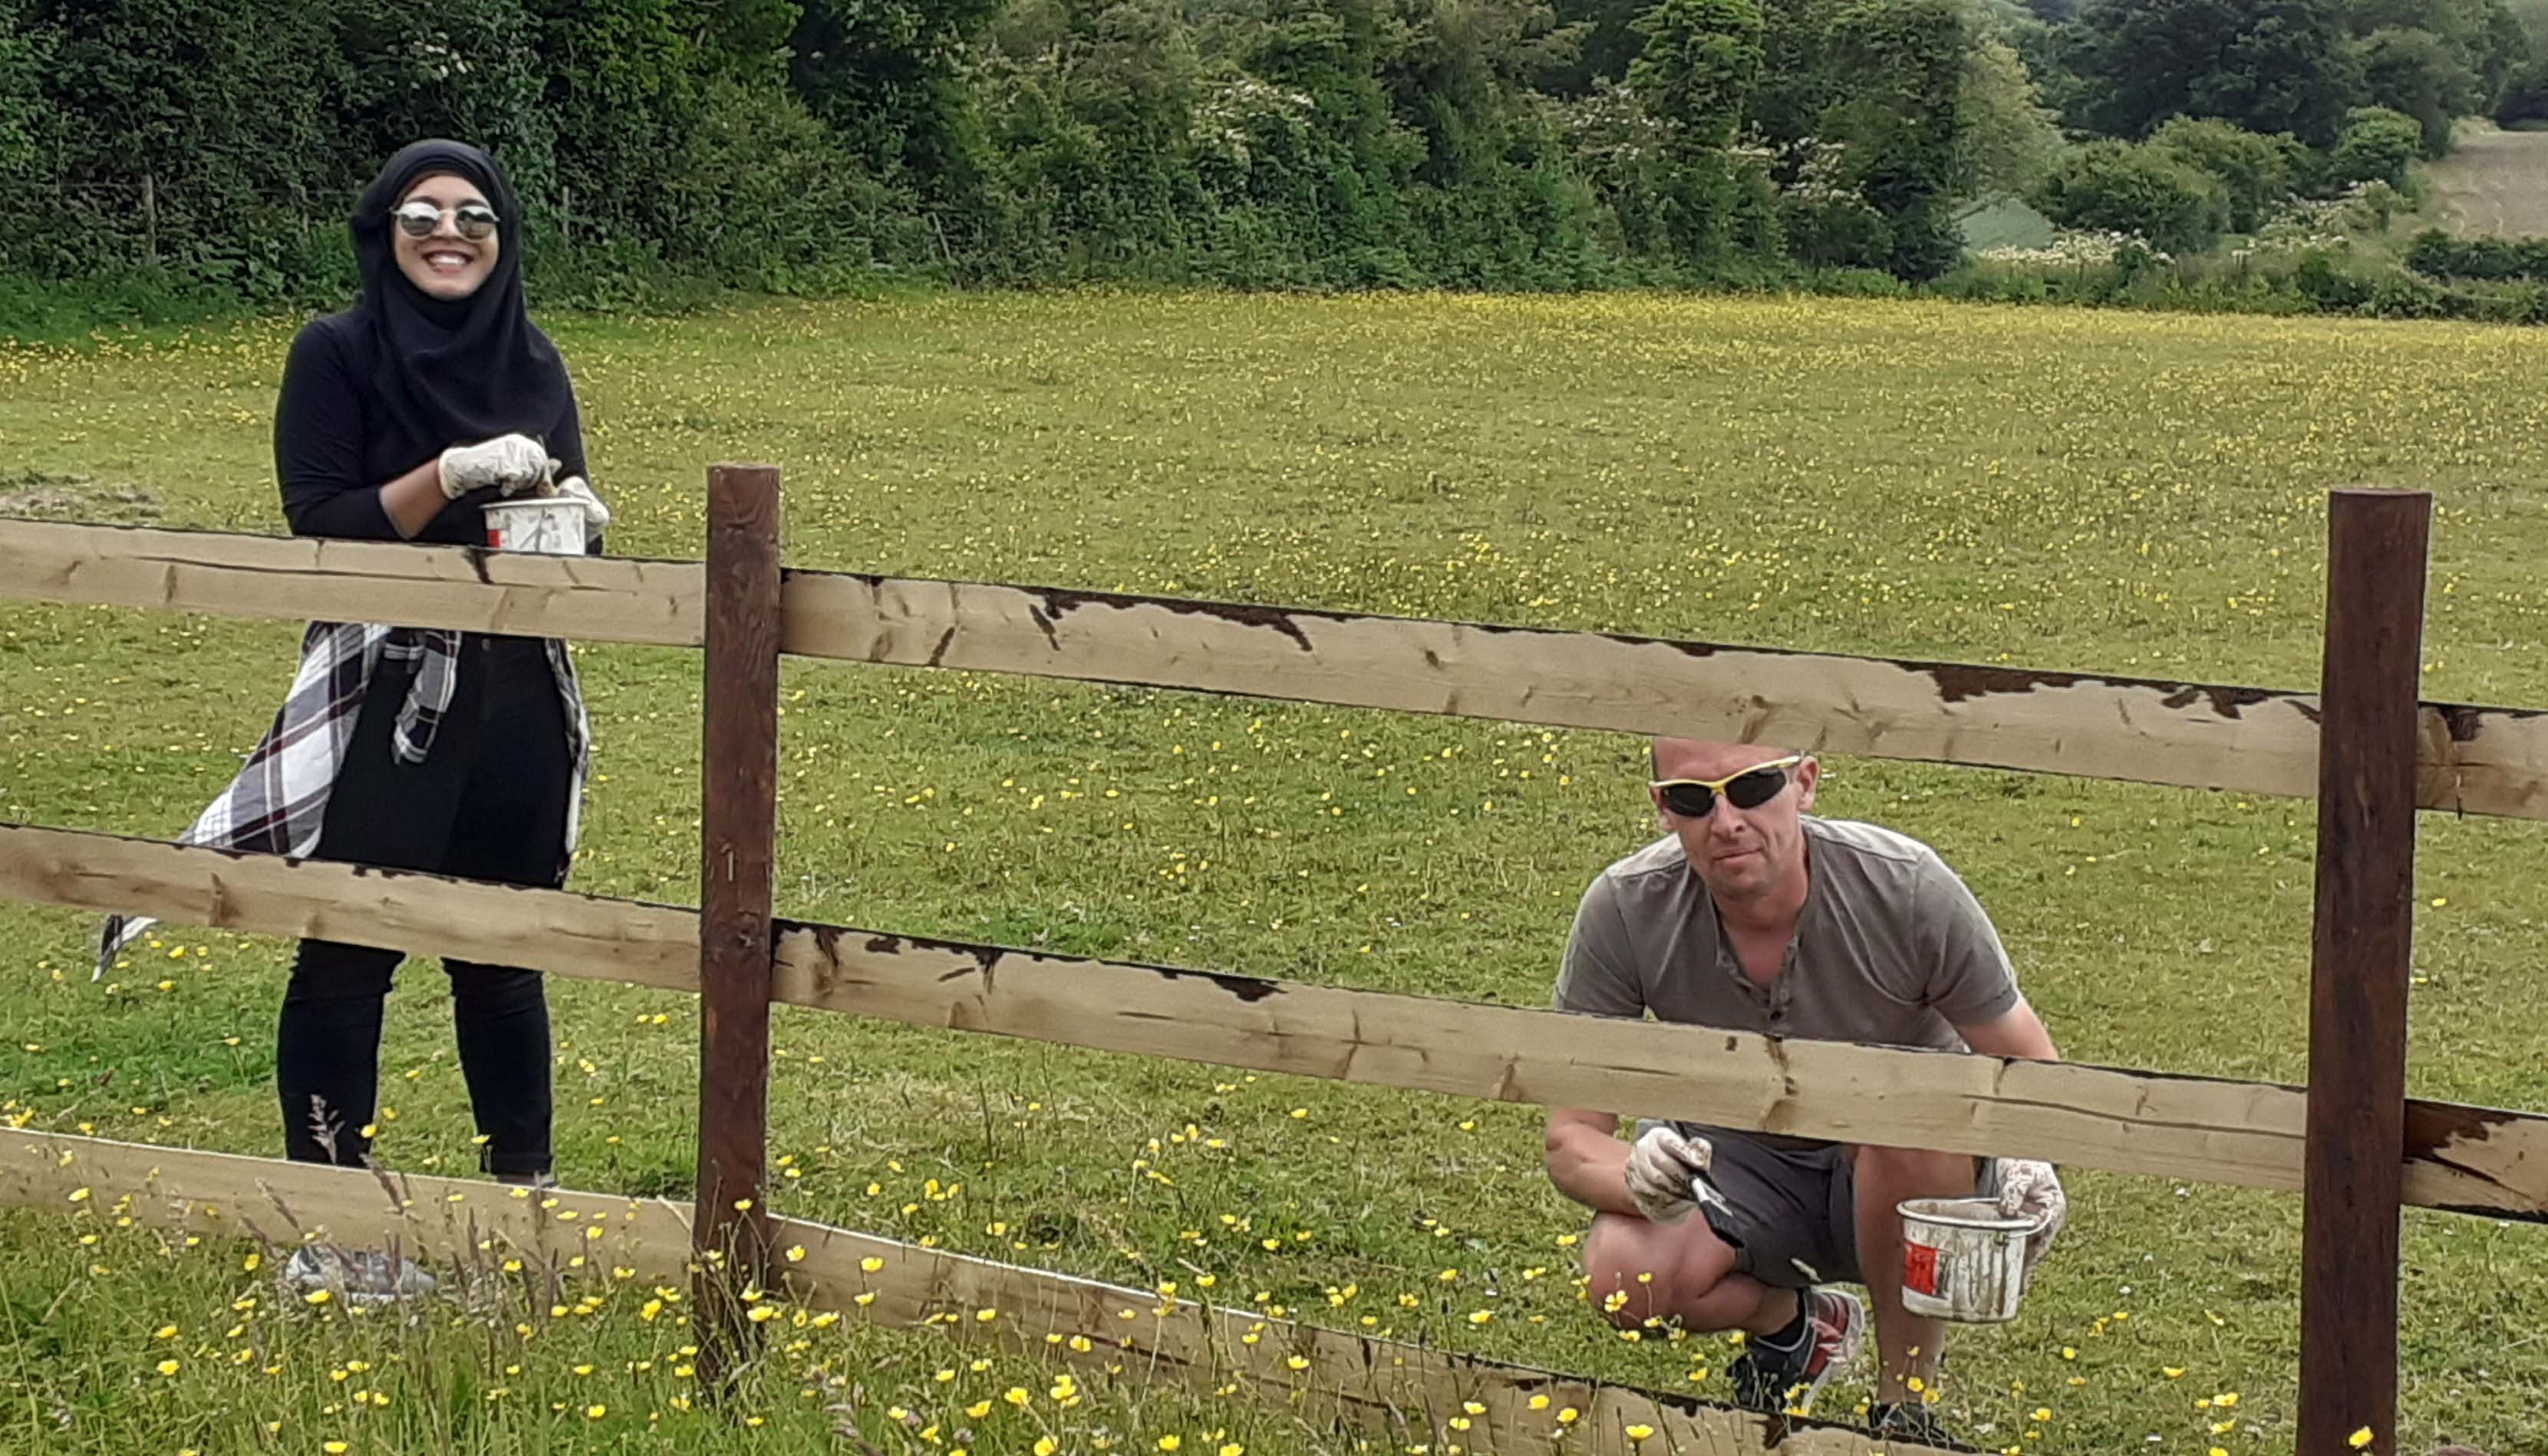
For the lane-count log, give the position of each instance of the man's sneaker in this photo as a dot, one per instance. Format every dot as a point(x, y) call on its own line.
point(1773, 1381)
point(1910, 1423)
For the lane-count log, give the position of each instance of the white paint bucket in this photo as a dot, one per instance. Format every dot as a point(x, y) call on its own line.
point(552, 524)
point(1962, 1260)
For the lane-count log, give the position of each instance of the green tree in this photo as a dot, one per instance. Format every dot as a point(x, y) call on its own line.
point(1697, 67)
point(2485, 37)
point(1798, 80)
point(2009, 137)
point(2418, 72)
point(1691, 78)
point(1905, 121)
point(2269, 65)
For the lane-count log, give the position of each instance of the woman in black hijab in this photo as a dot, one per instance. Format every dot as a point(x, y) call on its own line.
point(456, 752)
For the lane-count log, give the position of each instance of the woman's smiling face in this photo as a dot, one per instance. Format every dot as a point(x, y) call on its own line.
point(443, 264)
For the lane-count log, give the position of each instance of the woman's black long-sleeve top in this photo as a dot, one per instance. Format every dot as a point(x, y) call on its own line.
point(335, 444)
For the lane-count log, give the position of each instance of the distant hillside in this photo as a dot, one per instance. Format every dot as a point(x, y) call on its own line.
point(2495, 182)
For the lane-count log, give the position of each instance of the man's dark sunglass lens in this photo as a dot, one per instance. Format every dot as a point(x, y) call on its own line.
point(1750, 791)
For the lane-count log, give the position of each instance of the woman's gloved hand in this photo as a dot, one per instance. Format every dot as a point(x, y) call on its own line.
point(511, 464)
point(595, 514)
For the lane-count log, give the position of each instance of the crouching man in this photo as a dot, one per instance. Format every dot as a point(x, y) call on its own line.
point(1754, 915)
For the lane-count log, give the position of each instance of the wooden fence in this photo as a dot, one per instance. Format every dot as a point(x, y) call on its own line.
point(2371, 752)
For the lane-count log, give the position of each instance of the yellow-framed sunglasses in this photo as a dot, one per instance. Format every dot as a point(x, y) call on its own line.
point(1696, 798)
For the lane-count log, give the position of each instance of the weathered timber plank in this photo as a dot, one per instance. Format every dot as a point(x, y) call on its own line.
point(408, 584)
point(2199, 1127)
point(2467, 1160)
point(738, 842)
point(1359, 1379)
point(2474, 760)
point(2363, 934)
point(2480, 761)
point(554, 931)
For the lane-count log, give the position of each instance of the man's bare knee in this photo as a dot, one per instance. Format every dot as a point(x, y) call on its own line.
point(1641, 1270)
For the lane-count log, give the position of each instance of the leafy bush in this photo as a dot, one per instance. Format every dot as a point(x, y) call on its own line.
point(2436, 254)
point(2256, 173)
point(2406, 296)
point(2377, 144)
point(2129, 188)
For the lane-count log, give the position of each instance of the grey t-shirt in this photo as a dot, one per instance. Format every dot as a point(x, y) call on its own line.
point(1889, 949)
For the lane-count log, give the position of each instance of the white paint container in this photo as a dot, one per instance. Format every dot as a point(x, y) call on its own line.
point(1962, 1259)
point(550, 524)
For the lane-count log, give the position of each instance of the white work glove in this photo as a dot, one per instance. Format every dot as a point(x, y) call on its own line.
point(2031, 1189)
point(595, 514)
point(511, 464)
point(1660, 1168)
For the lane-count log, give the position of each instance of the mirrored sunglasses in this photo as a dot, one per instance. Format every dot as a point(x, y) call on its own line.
point(473, 220)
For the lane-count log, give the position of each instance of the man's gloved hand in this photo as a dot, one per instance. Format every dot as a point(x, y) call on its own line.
point(1660, 1168)
point(511, 464)
point(595, 514)
point(2031, 1189)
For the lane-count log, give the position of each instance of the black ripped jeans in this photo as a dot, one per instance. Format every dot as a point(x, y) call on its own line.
point(489, 802)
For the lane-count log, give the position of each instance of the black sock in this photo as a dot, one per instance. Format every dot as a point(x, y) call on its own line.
point(1791, 1335)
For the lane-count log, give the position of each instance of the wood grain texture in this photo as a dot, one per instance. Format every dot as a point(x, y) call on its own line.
point(2479, 760)
point(2198, 1127)
point(555, 931)
point(2472, 758)
point(2468, 1160)
point(1357, 1381)
point(2363, 936)
point(297, 578)
point(738, 841)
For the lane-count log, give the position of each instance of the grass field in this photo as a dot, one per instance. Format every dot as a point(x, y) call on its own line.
point(2056, 488)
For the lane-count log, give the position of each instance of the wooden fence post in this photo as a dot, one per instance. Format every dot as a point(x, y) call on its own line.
point(738, 833)
point(2359, 950)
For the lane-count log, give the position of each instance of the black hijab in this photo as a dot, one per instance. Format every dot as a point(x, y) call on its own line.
point(454, 371)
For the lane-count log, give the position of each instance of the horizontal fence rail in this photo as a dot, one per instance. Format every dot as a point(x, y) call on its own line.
point(297, 578)
point(2471, 760)
point(2466, 1160)
point(1364, 1381)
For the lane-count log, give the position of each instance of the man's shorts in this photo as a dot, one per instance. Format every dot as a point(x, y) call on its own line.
point(1793, 1220)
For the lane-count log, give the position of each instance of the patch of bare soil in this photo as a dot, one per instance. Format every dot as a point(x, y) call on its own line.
point(32, 494)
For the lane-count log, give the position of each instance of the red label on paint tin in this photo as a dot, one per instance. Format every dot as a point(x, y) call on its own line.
point(1919, 1268)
